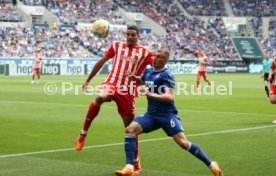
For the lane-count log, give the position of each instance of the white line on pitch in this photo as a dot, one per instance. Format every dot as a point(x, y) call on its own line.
point(180, 110)
point(140, 141)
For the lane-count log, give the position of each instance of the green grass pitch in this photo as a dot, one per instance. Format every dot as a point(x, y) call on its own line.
point(38, 131)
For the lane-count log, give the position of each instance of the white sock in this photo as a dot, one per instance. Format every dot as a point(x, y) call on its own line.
point(83, 132)
point(211, 165)
point(130, 166)
point(189, 146)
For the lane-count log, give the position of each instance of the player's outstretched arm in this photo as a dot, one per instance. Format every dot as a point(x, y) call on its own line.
point(167, 97)
point(95, 70)
point(136, 79)
point(195, 66)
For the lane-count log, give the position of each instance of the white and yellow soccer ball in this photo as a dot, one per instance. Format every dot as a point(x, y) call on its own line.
point(101, 28)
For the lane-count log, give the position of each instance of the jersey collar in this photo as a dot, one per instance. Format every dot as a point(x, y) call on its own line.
point(159, 69)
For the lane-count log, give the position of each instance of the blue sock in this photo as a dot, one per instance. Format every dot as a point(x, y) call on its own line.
point(130, 147)
point(197, 152)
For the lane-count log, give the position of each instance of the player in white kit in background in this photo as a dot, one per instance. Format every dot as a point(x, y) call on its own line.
point(203, 62)
point(36, 67)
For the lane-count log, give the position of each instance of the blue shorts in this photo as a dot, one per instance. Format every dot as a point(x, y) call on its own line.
point(170, 123)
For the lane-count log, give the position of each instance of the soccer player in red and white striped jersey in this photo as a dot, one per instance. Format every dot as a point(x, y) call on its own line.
point(128, 58)
point(272, 72)
point(203, 62)
point(36, 67)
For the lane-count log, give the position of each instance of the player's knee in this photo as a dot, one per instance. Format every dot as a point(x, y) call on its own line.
point(100, 99)
point(184, 146)
point(130, 130)
point(182, 143)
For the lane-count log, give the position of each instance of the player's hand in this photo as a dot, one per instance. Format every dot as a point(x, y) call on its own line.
point(269, 78)
point(84, 87)
point(143, 91)
point(130, 75)
point(133, 77)
point(127, 73)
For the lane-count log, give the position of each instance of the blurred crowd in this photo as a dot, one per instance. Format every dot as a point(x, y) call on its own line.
point(185, 36)
point(257, 26)
point(9, 13)
point(204, 7)
point(269, 44)
point(24, 42)
point(74, 11)
point(253, 7)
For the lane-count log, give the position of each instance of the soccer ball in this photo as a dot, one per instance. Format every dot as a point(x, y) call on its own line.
point(100, 28)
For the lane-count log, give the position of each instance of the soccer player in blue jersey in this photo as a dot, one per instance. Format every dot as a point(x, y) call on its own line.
point(266, 69)
point(161, 113)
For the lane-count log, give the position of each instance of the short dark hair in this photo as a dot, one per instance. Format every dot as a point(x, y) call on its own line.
point(133, 27)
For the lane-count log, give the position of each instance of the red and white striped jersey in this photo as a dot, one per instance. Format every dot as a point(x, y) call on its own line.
point(273, 65)
point(126, 60)
point(202, 67)
point(37, 62)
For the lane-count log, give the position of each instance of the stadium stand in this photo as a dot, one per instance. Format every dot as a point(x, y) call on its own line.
point(218, 24)
point(185, 35)
point(257, 26)
point(74, 11)
point(254, 7)
point(23, 42)
point(8, 13)
point(35, 2)
point(204, 7)
point(269, 44)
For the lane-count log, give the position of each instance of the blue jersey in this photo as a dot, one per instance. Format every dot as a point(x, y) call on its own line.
point(267, 65)
point(156, 82)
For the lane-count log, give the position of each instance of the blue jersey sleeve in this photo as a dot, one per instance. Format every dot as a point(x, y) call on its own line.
point(168, 80)
point(146, 71)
